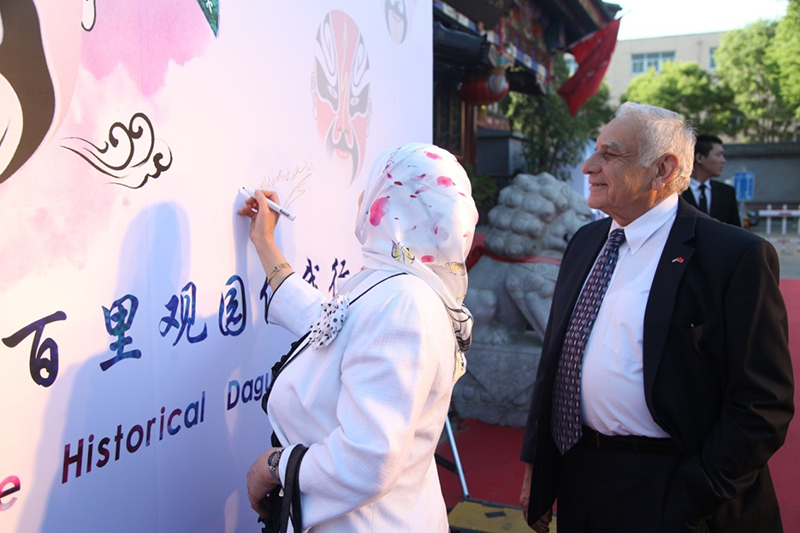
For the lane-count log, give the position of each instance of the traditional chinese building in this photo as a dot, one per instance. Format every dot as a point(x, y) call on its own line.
point(485, 48)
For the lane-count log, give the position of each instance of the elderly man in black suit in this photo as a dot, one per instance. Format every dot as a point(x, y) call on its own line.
point(665, 383)
point(712, 197)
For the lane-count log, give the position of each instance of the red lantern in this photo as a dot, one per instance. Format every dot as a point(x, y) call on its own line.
point(488, 88)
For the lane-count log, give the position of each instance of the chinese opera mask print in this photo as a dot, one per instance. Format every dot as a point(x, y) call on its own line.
point(340, 89)
point(398, 16)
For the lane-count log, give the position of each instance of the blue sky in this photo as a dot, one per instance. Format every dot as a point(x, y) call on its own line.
point(653, 18)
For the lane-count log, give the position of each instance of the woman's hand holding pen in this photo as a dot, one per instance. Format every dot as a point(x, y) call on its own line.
point(263, 219)
point(262, 232)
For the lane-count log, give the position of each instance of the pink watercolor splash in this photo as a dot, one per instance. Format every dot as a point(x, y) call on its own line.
point(58, 229)
point(439, 232)
point(378, 210)
point(432, 155)
point(145, 37)
point(427, 259)
point(444, 181)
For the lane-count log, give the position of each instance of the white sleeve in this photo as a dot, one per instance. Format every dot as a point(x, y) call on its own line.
point(388, 371)
point(295, 305)
point(283, 464)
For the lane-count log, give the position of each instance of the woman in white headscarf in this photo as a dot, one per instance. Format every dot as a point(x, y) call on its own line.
point(370, 394)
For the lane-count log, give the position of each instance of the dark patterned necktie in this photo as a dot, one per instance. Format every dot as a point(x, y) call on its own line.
point(566, 414)
point(703, 205)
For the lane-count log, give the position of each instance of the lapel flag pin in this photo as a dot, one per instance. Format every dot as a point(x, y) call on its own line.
point(678, 260)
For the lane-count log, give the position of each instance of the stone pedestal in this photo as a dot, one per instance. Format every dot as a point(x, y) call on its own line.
point(497, 386)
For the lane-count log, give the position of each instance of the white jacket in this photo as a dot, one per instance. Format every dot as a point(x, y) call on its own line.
point(371, 406)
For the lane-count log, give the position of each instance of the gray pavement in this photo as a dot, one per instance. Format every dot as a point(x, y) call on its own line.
point(786, 248)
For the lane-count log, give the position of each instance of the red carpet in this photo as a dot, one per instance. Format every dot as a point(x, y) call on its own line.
point(490, 454)
point(785, 464)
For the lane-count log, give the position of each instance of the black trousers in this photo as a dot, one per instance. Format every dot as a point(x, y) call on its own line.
point(623, 492)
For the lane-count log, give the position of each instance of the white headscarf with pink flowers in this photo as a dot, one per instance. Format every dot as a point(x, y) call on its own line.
point(418, 216)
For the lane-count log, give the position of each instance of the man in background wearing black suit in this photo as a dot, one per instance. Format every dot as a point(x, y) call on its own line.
point(665, 383)
point(711, 196)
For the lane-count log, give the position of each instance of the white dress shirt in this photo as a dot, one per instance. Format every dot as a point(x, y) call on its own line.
point(694, 185)
point(370, 406)
point(612, 380)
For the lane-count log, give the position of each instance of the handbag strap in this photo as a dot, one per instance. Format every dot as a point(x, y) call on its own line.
point(294, 352)
point(291, 492)
point(302, 344)
point(387, 278)
point(285, 360)
point(297, 510)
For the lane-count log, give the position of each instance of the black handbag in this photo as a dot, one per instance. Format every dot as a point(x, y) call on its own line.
point(285, 501)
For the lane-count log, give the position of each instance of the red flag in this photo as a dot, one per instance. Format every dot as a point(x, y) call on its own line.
point(593, 54)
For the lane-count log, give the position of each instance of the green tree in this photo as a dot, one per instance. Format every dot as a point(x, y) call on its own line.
point(555, 140)
point(691, 91)
point(785, 51)
point(746, 64)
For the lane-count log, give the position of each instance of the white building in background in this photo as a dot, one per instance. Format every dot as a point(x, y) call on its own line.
point(635, 56)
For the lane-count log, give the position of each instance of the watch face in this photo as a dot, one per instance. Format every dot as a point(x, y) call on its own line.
point(274, 458)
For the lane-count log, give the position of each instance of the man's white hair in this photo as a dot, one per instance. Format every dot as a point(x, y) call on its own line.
point(664, 132)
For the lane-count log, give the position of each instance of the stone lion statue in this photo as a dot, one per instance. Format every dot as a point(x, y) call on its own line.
point(512, 285)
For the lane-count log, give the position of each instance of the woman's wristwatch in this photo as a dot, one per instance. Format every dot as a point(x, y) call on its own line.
point(273, 461)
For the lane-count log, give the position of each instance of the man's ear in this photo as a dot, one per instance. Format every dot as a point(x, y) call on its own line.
point(666, 170)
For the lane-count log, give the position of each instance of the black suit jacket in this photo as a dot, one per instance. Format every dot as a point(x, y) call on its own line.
point(717, 369)
point(724, 206)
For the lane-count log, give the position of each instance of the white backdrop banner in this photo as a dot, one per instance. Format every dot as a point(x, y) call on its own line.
point(135, 349)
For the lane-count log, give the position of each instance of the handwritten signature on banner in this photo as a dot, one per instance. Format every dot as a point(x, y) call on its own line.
point(299, 175)
point(119, 317)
